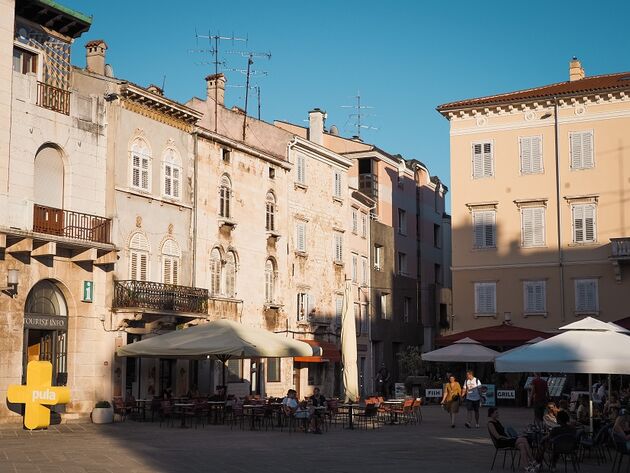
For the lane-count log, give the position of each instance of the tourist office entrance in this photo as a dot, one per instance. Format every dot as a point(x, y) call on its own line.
point(46, 330)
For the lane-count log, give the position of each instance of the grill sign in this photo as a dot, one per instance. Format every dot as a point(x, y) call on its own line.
point(506, 394)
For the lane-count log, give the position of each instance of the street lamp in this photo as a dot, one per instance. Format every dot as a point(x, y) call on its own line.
point(13, 276)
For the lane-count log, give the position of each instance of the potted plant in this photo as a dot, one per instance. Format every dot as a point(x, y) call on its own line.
point(103, 413)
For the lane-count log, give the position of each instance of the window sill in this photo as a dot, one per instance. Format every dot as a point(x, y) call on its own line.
point(299, 185)
point(301, 254)
point(583, 313)
point(535, 314)
point(484, 248)
point(220, 298)
point(533, 247)
point(478, 315)
point(583, 169)
point(340, 264)
point(582, 243)
point(338, 200)
point(273, 234)
point(227, 222)
point(273, 306)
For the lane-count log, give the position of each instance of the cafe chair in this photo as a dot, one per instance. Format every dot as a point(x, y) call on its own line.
point(515, 454)
point(565, 447)
point(621, 451)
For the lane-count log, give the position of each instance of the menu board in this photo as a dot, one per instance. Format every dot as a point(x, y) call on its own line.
point(556, 385)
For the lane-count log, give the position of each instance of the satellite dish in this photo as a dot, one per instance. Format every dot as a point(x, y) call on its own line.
point(109, 70)
point(334, 130)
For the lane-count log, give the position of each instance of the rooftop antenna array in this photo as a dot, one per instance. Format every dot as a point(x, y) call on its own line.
point(359, 114)
point(214, 41)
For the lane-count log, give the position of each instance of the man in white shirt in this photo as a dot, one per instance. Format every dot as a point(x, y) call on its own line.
point(472, 394)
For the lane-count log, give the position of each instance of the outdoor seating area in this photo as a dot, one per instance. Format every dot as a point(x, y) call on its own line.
point(263, 414)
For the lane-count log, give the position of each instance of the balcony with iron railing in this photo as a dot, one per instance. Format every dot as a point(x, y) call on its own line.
point(148, 295)
point(620, 248)
point(69, 224)
point(53, 98)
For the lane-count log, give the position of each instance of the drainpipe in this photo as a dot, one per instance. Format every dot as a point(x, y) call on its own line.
point(371, 302)
point(194, 211)
point(558, 207)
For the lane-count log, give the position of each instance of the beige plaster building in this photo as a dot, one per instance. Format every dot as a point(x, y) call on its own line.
point(55, 229)
point(540, 211)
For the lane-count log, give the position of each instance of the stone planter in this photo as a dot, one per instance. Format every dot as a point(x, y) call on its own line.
point(103, 415)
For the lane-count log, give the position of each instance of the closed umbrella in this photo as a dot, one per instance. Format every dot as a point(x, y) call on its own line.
point(349, 347)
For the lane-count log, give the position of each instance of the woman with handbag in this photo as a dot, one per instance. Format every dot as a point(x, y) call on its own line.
point(452, 397)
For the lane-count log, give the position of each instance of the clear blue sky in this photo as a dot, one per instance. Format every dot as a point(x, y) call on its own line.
point(406, 57)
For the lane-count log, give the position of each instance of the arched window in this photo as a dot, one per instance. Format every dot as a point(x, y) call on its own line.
point(138, 257)
point(140, 165)
point(215, 272)
point(49, 172)
point(225, 194)
point(270, 281)
point(230, 274)
point(171, 255)
point(270, 212)
point(172, 174)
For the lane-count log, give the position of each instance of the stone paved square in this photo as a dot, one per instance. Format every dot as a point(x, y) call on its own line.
point(134, 447)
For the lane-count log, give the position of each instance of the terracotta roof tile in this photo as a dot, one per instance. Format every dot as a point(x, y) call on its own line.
point(593, 84)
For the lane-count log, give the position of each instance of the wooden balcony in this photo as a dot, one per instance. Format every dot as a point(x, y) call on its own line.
point(53, 98)
point(160, 297)
point(69, 224)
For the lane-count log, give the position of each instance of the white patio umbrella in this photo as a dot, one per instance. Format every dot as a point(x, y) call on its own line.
point(222, 339)
point(349, 347)
point(465, 350)
point(529, 342)
point(587, 346)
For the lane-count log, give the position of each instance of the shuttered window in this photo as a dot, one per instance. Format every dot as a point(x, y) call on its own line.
point(337, 184)
point(531, 155)
point(270, 212)
point(581, 144)
point(140, 165)
point(584, 223)
point(301, 168)
point(364, 225)
point(485, 298)
point(172, 173)
point(300, 236)
point(230, 274)
point(484, 228)
point(483, 160)
point(355, 264)
point(338, 309)
point(215, 272)
point(138, 257)
point(225, 196)
point(586, 296)
point(364, 270)
point(171, 255)
point(303, 307)
point(534, 297)
point(533, 226)
point(355, 221)
point(338, 247)
point(270, 281)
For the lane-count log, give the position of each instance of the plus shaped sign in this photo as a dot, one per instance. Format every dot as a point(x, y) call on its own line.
point(37, 393)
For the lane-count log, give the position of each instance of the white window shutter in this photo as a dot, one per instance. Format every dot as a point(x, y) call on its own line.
point(587, 149)
point(488, 164)
point(589, 223)
point(477, 161)
point(539, 225)
point(528, 227)
point(176, 182)
point(537, 159)
point(145, 174)
point(167, 270)
point(490, 229)
point(135, 180)
point(133, 266)
point(144, 262)
point(578, 223)
point(526, 155)
point(576, 150)
point(175, 276)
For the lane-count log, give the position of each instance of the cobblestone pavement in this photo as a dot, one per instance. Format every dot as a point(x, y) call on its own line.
point(135, 447)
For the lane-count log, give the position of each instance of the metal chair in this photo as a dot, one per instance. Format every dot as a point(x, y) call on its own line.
point(512, 450)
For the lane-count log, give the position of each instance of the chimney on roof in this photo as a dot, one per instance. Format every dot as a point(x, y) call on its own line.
point(316, 118)
point(154, 89)
point(215, 86)
point(576, 72)
point(95, 56)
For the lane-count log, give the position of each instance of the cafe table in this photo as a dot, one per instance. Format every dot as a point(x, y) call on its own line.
point(141, 406)
point(391, 404)
point(350, 408)
point(183, 407)
point(216, 407)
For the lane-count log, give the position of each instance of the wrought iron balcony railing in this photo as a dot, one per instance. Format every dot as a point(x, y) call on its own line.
point(620, 247)
point(69, 224)
point(53, 98)
point(130, 294)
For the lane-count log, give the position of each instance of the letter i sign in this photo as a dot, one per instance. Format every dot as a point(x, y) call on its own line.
point(37, 393)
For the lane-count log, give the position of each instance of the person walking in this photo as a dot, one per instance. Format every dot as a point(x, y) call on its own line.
point(539, 397)
point(452, 397)
point(472, 393)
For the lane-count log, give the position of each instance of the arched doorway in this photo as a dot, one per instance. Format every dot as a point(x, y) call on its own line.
point(46, 330)
point(49, 177)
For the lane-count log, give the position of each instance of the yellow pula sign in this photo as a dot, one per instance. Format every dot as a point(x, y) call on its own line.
point(38, 393)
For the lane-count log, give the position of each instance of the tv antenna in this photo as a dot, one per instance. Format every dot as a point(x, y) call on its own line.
point(359, 115)
point(251, 87)
point(214, 41)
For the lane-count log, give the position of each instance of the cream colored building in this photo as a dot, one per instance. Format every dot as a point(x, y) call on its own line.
point(541, 220)
point(55, 229)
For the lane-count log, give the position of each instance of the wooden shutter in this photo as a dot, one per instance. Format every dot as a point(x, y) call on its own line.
point(144, 263)
point(337, 188)
point(488, 164)
point(586, 295)
point(535, 297)
point(526, 155)
point(168, 187)
point(537, 159)
point(167, 270)
point(589, 223)
point(338, 310)
point(477, 161)
point(145, 174)
point(176, 182)
point(338, 241)
point(584, 223)
point(587, 149)
point(135, 171)
point(576, 150)
point(300, 236)
point(485, 298)
point(533, 226)
point(301, 171)
point(133, 265)
point(490, 229)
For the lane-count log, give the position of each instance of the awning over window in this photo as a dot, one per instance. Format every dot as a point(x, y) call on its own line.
point(330, 353)
point(503, 335)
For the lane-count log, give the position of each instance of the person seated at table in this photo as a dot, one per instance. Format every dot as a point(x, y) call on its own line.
point(583, 416)
point(503, 440)
point(549, 419)
point(193, 392)
point(317, 400)
point(563, 405)
point(621, 427)
point(289, 403)
point(562, 429)
point(167, 393)
point(612, 407)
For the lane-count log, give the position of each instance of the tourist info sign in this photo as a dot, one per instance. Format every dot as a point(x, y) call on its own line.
point(37, 394)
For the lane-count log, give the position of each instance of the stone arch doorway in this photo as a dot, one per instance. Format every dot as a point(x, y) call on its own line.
point(46, 330)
